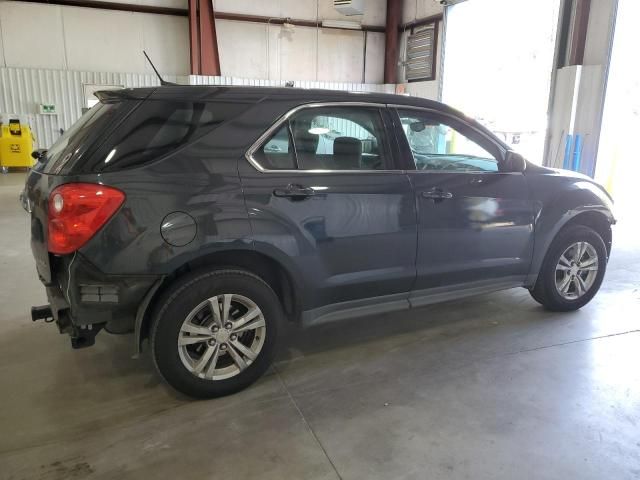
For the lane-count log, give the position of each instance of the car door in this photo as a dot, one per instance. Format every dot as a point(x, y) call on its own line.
point(323, 192)
point(475, 220)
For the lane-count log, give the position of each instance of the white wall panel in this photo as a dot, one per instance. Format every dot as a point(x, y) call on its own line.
point(428, 90)
point(3, 62)
point(243, 48)
point(374, 12)
point(296, 54)
point(269, 8)
point(340, 55)
point(32, 35)
point(560, 116)
point(114, 38)
point(601, 21)
point(589, 113)
point(301, 9)
point(374, 68)
point(87, 39)
point(47, 36)
point(166, 40)
point(413, 9)
point(247, 51)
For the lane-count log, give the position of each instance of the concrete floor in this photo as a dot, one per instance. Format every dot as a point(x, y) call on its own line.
point(485, 388)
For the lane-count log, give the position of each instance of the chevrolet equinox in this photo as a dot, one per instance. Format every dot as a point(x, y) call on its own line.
point(204, 219)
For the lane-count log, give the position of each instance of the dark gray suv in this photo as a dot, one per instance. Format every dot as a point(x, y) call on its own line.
point(203, 219)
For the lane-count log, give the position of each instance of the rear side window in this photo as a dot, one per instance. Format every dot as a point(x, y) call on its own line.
point(157, 128)
point(327, 138)
point(277, 153)
point(83, 134)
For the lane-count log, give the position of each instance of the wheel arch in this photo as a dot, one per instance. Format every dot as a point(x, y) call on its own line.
point(597, 218)
point(284, 282)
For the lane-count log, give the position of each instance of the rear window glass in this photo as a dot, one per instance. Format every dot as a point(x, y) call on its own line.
point(75, 141)
point(156, 129)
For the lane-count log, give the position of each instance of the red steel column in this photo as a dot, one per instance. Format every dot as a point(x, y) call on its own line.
point(194, 37)
point(203, 41)
point(394, 18)
point(209, 59)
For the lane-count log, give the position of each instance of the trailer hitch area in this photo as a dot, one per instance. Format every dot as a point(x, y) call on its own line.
point(42, 312)
point(85, 336)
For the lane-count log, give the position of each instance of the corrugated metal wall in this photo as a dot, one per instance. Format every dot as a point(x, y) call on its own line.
point(22, 90)
point(351, 87)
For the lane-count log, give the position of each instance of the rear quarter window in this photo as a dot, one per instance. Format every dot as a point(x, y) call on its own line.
point(83, 135)
point(157, 128)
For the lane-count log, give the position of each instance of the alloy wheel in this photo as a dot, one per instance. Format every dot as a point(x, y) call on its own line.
point(221, 336)
point(576, 270)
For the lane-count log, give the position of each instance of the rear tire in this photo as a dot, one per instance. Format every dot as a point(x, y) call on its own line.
point(206, 353)
point(572, 270)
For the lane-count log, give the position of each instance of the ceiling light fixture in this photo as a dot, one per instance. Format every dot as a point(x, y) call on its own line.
point(319, 130)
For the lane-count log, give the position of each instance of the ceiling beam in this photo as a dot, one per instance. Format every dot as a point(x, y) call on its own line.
point(122, 7)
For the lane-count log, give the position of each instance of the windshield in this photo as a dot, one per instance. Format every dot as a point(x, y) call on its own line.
point(76, 139)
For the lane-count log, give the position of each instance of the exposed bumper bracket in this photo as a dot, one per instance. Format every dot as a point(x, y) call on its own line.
point(42, 312)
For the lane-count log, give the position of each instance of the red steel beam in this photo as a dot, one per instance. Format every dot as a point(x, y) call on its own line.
point(194, 37)
point(394, 19)
point(181, 12)
point(241, 17)
point(123, 7)
point(579, 34)
point(209, 57)
point(203, 42)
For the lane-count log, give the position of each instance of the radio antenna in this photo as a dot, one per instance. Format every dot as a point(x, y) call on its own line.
point(162, 81)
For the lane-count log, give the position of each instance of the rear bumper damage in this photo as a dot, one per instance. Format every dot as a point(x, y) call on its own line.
point(83, 300)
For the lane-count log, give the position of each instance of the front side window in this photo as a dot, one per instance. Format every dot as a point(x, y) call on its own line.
point(327, 138)
point(436, 145)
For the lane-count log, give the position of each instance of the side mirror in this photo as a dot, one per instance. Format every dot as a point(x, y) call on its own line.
point(38, 154)
point(514, 162)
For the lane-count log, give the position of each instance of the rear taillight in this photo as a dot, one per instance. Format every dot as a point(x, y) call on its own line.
point(77, 211)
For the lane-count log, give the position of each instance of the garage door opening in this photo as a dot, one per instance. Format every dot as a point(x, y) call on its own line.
point(497, 67)
point(618, 168)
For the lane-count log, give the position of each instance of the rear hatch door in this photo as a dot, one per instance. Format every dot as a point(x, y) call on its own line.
point(63, 163)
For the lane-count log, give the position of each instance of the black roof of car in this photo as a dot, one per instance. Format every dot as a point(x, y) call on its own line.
point(250, 94)
point(214, 92)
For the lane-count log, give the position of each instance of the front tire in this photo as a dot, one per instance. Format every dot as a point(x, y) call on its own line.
point(215, 332)
point(572, 271)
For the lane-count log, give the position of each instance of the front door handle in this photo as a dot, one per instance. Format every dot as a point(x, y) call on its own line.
point(294, 192)
point(437, 194)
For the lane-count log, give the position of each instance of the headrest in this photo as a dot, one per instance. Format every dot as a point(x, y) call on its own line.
point(347, 146)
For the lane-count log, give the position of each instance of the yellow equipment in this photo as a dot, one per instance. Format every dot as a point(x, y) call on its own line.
point(16, 145)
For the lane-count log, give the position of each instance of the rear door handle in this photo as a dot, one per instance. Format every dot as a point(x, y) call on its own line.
point(437, 194)
point(295, 192)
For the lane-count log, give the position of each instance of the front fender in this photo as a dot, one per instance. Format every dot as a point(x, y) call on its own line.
point(559, 200)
